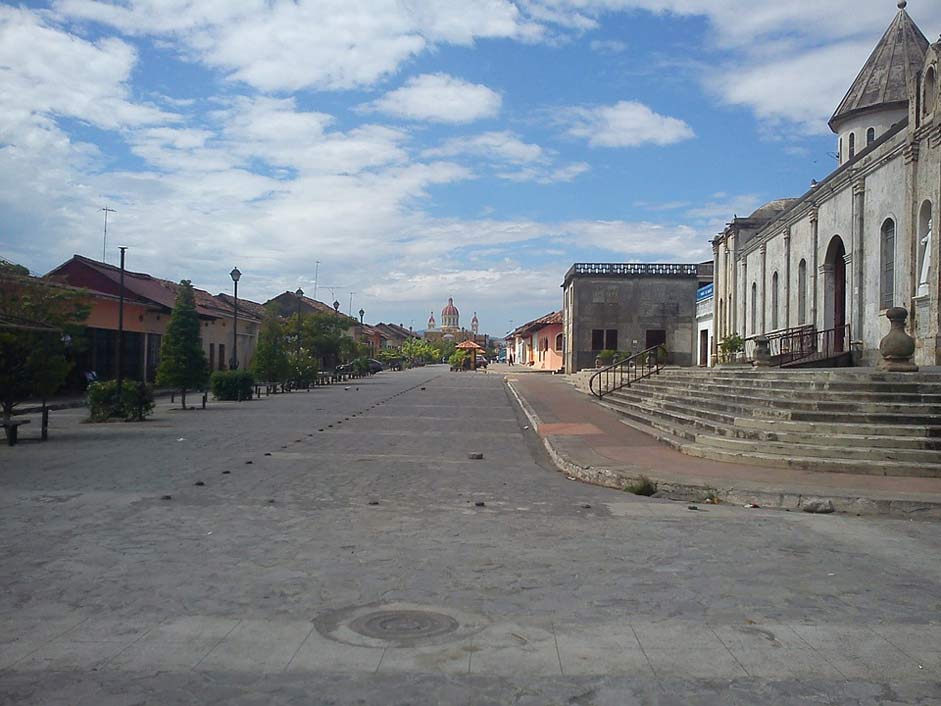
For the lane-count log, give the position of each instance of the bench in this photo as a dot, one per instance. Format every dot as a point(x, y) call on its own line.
point(12, 429)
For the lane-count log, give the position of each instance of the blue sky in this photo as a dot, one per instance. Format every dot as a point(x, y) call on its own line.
point(418, 150)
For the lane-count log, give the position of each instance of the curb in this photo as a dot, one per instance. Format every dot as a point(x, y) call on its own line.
point(618, 478)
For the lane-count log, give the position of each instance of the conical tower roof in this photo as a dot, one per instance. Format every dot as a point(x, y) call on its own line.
point(883, 81)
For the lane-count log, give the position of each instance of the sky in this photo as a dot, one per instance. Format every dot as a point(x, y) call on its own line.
point(407, 151)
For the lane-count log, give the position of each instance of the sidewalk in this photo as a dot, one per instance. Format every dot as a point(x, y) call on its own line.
point(590, 443)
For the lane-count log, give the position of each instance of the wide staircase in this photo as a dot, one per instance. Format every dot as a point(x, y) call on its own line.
point(841, 420)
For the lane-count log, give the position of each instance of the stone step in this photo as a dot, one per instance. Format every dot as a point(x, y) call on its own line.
point(844, 435)
point(839, 428)
point(732, 401)
point(857, 466)
point(915, 457)
point(886, 393)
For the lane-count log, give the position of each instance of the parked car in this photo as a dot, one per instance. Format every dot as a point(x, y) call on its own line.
point(482, 362)
point(375, 366)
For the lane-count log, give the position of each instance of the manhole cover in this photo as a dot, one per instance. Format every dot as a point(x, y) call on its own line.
point(403, 624)
point(397, 625)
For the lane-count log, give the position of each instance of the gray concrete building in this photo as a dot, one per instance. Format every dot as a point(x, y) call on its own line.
point(630, 307)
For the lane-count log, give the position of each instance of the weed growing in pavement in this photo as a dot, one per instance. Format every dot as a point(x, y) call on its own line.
point(642, 486)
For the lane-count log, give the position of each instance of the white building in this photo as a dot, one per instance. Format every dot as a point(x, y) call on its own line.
point(861, 240)
point(705, 298)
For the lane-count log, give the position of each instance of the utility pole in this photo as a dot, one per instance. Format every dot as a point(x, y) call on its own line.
point(316, 276)
point(104, 245)
point(351, 304)
point(120, 355)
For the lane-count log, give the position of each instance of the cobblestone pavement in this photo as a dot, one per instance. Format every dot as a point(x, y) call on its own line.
point(375, 562)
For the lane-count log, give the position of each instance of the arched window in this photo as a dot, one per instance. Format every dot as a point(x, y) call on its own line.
point(559, 341)
point(924, 248)
point(802, 292)
point(887, 279)
point(754, 307)
point(852, 145)
point(774, 302)
point(870, 136)
point(931, 91)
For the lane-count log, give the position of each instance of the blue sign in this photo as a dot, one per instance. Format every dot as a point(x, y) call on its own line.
point(705, 292)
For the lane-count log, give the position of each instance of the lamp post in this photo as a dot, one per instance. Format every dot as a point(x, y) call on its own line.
point(121, 324)
point(298, 294)
point(235, 275)
point(361, 315)
point(336, 310)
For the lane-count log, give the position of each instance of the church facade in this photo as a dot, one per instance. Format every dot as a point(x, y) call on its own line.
point(450, 328)
point(862, 240)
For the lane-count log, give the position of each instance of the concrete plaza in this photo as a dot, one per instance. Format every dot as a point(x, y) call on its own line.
point(249, 553)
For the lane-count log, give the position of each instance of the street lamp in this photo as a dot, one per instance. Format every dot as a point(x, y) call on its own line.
point(361, 315)
point(336, 310)
point(298, 294)
point(120, 356)
point(236, 276)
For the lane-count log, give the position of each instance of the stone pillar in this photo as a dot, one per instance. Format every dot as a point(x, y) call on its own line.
point(858, 299)
point(762, 352)
point(764, 287)
point(814, 268)
point(718, 324)
point(744, 284)
point(787, 277)
point(897, 347)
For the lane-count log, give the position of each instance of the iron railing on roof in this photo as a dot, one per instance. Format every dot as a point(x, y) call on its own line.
point(631, 269)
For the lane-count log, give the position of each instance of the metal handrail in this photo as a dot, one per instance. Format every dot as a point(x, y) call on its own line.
point(803, 342)
point(625, 372)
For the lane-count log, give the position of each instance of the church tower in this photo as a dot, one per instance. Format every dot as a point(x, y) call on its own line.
point(432, 324)
point(475, 324)
point(878, 98)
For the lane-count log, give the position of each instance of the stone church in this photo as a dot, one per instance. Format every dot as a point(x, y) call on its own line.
point(831, 262)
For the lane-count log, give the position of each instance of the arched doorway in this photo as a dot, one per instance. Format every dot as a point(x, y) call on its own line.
point(834, 288)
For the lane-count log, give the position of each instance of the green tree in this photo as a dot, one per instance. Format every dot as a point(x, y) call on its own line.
point(271, 362)
point(182, 359)
point(37, 320)
point(321, 335)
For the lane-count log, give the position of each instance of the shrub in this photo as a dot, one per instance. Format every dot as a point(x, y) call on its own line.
point(135, 402)
point(232, 384)
point(607, 356)
point(731, 345)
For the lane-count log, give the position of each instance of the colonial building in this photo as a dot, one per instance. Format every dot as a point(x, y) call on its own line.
point(630, 307)
point(538, 343)
point(827, 265)
point(148, 303)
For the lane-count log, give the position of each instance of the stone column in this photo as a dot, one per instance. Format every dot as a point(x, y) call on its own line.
point(718, 324)
point(814, 229)
point(731, 305)
point(787, 277)
point(858, 299)
point(764, 286)
point(744, 293)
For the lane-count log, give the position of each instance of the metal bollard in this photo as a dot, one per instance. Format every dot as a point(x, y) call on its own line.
point(45, 422)
point(205, 396)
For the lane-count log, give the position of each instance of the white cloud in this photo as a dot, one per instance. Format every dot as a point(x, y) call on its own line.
point(501, 146)
point(439, 98)
point(608, 46)
point(49, 72)
point(624, 124)
point(547, 175)
point(802, 89)
point(324, 44)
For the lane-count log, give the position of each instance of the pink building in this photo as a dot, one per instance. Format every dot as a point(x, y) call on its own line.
point(538, 344)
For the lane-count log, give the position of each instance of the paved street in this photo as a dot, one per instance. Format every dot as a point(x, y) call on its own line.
point(340, 546)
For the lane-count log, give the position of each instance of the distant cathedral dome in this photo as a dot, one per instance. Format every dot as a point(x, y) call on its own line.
point(450, 316)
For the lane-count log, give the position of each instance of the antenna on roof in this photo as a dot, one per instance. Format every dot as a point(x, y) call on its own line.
point(104, 245)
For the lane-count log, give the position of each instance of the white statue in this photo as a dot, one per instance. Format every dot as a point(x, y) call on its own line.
point(925, 262)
